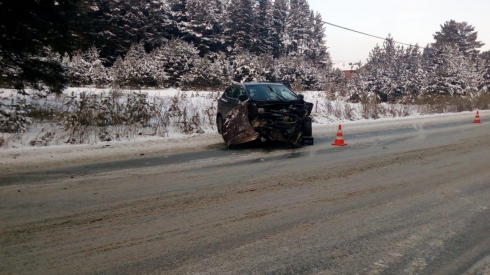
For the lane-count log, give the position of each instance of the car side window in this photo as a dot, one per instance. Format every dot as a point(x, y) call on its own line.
point(229, 92)
point(240, 91)
point(234, 92)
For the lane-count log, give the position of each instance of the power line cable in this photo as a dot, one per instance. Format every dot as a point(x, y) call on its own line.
point(367, 34)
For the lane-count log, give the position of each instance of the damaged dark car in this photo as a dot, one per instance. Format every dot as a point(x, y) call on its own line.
point(265, 111)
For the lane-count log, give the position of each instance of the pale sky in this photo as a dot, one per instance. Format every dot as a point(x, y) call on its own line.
point(408, 21)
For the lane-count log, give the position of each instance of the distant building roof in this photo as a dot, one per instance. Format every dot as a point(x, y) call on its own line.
point(343, 66)
point(349, 74)
point(351, 71)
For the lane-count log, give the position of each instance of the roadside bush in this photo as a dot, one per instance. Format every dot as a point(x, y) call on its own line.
point(482, 102)
point(13, 117)
point(370, 107)
point(446, 104)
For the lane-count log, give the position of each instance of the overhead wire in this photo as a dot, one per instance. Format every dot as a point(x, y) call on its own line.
point(363, 33)
point(367, 34)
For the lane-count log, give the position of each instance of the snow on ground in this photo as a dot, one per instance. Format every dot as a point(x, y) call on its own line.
point(150, 92)
point(28, 158)
point(18, 155)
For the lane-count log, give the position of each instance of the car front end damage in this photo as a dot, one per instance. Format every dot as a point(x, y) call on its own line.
point(288, 122)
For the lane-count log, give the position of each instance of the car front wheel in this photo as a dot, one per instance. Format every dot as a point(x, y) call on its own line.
point(307, 129)
point(219, 124)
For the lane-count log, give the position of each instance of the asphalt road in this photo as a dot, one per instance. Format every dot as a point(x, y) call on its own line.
point(408, 199)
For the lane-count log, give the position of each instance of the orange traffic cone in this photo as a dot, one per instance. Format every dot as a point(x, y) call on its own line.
point(339, 141)
point(477, 118)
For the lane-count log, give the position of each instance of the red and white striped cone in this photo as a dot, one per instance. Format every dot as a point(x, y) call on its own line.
point(339, 141)
point(477, 118)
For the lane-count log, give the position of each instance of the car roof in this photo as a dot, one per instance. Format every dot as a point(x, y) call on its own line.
point(260, 83)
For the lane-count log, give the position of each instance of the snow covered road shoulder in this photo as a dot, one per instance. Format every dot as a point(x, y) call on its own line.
point(27, 158)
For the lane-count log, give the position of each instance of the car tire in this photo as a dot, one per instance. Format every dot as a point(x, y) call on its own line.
point(307, 129)
point(219, 124)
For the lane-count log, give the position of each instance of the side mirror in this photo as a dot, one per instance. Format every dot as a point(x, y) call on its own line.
point(242, 97)
point(301, 96)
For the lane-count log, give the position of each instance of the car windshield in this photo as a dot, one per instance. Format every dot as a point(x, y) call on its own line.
point(271, 92)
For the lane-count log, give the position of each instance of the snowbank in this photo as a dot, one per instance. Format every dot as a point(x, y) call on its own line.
point(171, 116)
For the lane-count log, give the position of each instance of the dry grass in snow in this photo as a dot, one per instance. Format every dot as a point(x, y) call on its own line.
point(91, 116)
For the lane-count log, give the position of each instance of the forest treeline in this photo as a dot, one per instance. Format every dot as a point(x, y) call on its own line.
point(208, 44)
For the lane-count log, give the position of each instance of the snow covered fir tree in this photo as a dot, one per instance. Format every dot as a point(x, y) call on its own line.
point(209, 44)
point(451, 67)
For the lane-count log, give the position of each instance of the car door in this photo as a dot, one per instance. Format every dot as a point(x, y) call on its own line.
point(233, 99)
point(237, 128)
point(229, 100)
